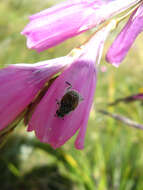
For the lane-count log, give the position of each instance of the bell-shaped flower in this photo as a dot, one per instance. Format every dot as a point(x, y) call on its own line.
point(20, 83)
point(70, 18)
point(126, 38)
point(65, 107)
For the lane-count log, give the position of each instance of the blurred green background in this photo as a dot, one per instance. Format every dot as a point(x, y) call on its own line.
point(113, 155)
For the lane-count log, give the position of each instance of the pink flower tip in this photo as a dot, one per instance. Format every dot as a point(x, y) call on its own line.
point(20, 83)
point(125, 39)
point(65, 20)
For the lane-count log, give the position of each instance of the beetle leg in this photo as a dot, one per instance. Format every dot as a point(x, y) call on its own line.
point(70, 86)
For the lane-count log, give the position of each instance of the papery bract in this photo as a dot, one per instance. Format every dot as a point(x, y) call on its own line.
point(20, 83)
point(54, 25)
point(126, 38)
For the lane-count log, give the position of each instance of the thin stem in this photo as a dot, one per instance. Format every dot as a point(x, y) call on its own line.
point(123, 119)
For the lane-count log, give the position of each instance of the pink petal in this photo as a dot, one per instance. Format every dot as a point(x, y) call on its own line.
point(54, 130)
point(54, 25)
point(126, 38)
point(20, 83)
point(79, 143)
point(48, 30)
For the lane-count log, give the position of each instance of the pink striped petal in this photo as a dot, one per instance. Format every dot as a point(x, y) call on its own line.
point(20, 83)
point(54, 25)
point(120, 47)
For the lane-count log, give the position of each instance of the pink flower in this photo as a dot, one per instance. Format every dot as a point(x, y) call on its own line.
point(126, 38)
point(55, 122)
point(48, 126)
point(20, 83)
point(103, 69)
point(70, 18)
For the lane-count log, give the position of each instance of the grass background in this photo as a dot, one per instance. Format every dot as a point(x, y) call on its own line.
point(113, 154)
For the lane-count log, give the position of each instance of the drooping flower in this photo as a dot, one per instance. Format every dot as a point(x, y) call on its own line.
point(20, 83)
point(53, 120)
point(70, 18)
point(126, 38)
